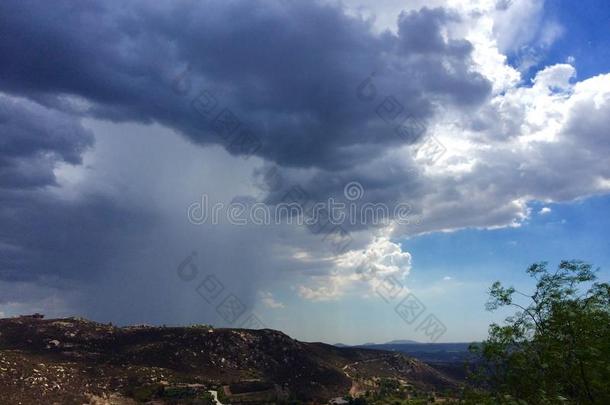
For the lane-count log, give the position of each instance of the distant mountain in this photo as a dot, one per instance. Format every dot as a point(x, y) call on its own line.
point(401, 342)
point(392, 342)
point(73, 360)
point(429, 352)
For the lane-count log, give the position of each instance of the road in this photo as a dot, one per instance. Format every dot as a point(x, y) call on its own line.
point(354, 390)
point(215, 396)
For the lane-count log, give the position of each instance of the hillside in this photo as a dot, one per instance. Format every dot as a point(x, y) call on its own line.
point(74, 360)
point(448, 358)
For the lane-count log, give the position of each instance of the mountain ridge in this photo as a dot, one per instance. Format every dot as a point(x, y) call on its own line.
point(122, 361)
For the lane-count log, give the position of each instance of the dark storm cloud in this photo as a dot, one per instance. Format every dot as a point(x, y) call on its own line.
point(33, 139)
point(46, 237)
point(288, 70)
point(41, 234)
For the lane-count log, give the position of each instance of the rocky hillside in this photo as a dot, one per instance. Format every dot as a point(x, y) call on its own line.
point(77, 361)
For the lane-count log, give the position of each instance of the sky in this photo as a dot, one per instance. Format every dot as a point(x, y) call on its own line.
point(357, 171)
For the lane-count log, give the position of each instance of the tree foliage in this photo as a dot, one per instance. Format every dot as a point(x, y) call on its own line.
point(556, 347)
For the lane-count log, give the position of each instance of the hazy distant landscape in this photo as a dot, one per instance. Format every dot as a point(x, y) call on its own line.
point(429, 352)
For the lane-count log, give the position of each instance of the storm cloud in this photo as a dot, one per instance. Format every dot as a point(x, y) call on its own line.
point(116, 116)
point(33, 139)
point(289, 71)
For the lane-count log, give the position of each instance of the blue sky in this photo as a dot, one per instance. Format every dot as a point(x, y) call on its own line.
point(576, 230)
point(573, 231)
point(586, 35)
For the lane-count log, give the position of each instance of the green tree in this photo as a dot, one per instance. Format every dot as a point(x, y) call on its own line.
point(556, 347)
point(388, 387)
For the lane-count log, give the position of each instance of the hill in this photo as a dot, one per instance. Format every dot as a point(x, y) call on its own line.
point(73, 360)
point(448, 358)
